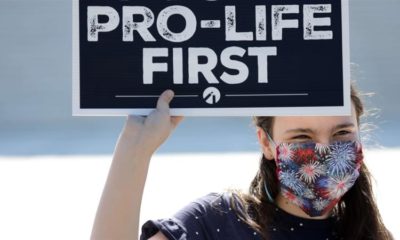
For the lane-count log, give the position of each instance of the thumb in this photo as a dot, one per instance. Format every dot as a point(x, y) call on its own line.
point(164, 100)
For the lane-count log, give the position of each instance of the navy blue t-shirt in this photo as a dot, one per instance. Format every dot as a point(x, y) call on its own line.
point(212, 217)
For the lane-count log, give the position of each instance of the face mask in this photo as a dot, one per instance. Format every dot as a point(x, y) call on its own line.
point(314, 176)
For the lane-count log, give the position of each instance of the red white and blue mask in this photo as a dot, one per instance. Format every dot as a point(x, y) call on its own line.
point(314, 176)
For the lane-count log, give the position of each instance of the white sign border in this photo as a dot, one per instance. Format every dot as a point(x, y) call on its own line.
point(265, 111)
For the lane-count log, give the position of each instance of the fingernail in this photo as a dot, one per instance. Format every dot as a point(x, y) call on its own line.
point(170, 93)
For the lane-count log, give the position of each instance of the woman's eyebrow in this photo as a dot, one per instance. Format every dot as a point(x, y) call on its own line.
point(309, 130)
point(344, 125)
point(299, 130)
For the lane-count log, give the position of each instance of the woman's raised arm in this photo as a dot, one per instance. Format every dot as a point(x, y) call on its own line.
point(118, 212)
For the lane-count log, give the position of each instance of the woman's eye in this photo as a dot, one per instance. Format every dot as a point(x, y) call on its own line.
point(343, 132)
point(301, 137)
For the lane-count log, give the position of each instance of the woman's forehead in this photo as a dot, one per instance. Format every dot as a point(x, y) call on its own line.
point(321, 123)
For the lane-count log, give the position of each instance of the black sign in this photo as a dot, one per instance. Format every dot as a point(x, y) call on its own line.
point(275, 57)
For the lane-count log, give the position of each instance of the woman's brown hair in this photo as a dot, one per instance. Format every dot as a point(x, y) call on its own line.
point(357, 215)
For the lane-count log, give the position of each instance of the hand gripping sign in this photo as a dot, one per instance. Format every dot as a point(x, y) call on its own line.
point(221, 57)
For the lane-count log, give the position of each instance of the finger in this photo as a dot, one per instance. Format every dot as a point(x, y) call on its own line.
point(132, 119)
point(132, 123)
point(164, 100)
point(176, 120)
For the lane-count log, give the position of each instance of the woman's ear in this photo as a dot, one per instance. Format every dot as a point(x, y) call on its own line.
point(265, 144)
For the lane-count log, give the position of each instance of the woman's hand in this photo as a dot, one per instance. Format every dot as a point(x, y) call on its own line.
point(151, 131)
point(118, 213)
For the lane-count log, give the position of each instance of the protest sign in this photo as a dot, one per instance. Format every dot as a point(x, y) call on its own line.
point(221, 58)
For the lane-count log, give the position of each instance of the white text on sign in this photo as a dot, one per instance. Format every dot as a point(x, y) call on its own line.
point(148, 19)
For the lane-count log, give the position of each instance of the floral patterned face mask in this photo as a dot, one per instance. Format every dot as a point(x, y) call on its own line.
point(314, 176)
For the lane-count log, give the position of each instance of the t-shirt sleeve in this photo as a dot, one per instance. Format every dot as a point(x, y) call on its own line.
point(199, 220)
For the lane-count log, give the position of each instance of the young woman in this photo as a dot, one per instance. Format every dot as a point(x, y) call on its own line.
point(311, 184)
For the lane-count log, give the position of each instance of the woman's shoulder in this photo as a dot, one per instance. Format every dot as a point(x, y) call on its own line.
point(209, 215)
point(214, 205)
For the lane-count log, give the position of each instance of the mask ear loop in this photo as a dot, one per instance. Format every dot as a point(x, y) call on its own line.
point(359, 137)
point(269, 196)
point(270, 139)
